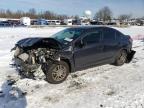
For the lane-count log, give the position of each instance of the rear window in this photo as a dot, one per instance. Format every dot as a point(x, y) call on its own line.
point(119, 35)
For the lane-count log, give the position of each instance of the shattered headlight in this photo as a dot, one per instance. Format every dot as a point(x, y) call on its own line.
point(17, 52)
point(24, 56)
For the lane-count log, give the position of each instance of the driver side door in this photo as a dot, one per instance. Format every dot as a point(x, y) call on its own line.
point(90, 50)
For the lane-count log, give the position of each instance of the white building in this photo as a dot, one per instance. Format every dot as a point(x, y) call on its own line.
point(3, 19)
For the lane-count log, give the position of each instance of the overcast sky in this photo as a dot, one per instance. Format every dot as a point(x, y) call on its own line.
point(73, 7)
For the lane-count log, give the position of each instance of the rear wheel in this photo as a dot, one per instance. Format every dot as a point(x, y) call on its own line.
point(121, 58)
point(57, 73)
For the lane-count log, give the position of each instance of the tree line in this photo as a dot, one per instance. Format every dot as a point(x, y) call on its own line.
point(32, 13)
point(104, 14)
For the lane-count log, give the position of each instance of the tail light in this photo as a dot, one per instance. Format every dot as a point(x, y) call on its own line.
point(130, 39)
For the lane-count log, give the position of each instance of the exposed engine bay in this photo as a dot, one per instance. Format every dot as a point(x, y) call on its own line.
point(30, 59)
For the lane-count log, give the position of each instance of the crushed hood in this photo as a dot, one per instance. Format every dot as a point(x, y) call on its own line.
point(35, 42)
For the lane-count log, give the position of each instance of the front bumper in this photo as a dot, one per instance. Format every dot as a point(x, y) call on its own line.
point(22, 66)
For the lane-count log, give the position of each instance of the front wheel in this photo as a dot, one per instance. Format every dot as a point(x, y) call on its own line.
point(57, 73)
point(121, 58)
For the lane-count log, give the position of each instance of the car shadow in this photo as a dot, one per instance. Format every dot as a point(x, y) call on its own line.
point(11, 96)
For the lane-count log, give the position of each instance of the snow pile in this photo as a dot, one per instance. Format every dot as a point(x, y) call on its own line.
point(100, 87)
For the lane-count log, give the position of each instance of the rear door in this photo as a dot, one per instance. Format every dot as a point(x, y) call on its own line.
point(90, 53)
point(110, 43)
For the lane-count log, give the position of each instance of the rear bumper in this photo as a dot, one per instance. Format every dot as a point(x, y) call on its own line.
point(130, 56)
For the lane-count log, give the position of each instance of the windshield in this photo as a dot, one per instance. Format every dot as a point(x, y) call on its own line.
point(67, 36)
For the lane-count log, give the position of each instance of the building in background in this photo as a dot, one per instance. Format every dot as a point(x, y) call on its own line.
point(26, 21)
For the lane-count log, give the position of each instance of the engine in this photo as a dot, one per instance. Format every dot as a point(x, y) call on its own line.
point(30, 60)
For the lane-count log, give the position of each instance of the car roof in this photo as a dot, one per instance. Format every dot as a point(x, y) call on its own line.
point(94, 27)
point(89, 27)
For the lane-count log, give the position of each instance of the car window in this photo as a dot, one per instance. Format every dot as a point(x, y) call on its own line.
point(118, 35)
point(68, 35)
point(92, 38)
point(108, 34)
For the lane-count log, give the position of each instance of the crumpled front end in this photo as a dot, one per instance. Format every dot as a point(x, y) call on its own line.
point(32, 53)
point(30, 61)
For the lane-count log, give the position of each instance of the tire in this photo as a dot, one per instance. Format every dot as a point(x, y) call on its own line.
point(121, 58)
point(57, 73)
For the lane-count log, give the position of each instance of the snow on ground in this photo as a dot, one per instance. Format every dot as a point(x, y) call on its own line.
point(100, 87)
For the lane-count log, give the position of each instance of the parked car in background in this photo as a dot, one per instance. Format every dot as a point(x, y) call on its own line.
point(112, 23)
point(96, 23)
point(54, 22)
point(71, 50)
point(5, 24)
point(68, 21)
point(42, 22)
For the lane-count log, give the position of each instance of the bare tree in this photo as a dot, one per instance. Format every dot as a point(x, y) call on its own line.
point(62, 17)
point(32, 13)
point(124, 17)
point(104, 14)
point(8, 13)
point(17, 14)
point(2, 13)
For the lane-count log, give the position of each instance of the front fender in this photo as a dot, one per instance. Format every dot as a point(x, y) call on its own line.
point(70, 62)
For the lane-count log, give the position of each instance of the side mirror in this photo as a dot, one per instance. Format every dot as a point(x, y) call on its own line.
point(79, 44)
